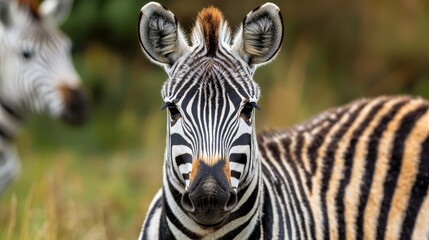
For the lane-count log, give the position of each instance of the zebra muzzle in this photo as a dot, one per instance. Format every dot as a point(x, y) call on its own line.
point(76, 106)
point(210, 198)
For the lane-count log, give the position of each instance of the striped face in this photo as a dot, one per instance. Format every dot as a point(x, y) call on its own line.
point(36, 71)
point(211, 98)
point(211, 116)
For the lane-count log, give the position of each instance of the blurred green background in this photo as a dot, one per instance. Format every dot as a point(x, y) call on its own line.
point(96, 182)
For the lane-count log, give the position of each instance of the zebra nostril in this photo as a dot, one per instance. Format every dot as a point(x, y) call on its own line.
point(232, 201)
point(187, 203)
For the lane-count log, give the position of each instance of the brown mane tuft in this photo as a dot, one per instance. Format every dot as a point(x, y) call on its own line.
point(32, 6)
point(210, 20)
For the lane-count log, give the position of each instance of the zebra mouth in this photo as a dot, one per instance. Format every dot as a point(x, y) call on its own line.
point(209, 210)
point(210, 218)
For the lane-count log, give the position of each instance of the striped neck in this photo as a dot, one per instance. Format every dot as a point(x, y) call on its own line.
point(10, 123)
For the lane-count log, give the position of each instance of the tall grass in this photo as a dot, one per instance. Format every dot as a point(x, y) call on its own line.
point(106, 199)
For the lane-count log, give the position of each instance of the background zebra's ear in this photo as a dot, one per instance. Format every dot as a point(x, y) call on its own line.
point(260, 35)
point(56, 9)
point(5, 17)
point(160, 36)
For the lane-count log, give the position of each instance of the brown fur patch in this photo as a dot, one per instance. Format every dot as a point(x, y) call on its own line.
point(227, 171)
point(195, 165)
point(210, 20)
point(65, 93)
point(32, 5)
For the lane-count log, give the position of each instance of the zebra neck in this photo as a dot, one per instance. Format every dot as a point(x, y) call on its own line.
point(9, 164)
point(10, 123)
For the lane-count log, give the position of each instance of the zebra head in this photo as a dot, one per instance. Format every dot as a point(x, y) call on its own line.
point(36, 71)
point(210, 95)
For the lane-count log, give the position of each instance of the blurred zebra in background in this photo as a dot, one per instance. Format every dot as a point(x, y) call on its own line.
point(357, 172)
point(36, 72)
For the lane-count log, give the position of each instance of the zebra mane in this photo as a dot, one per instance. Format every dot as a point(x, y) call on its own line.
point(32, 6)
point(211, 30)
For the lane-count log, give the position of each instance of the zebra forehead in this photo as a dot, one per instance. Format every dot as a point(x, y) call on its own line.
point(210, 88)
point(210, 75)
point(44, 37)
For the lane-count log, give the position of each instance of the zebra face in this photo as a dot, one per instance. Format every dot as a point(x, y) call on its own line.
point(211, 118)
point(36, 71)
point(210, 129)
point(210, 96)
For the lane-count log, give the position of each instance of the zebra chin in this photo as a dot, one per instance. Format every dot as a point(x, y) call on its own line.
point(210, 198)
point(75, 111)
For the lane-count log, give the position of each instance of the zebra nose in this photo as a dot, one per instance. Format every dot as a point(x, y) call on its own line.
point(76, 109)
point(209, 196)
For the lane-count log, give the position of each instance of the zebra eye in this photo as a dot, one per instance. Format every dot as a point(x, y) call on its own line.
point(174, 112)
point(246, 112)
point(27, 53)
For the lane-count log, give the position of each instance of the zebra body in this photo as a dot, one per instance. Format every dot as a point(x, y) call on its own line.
point(360, 171)
point(357, 172)
point(36, 72)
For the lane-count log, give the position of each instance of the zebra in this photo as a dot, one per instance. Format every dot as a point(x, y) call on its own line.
point(360, 171)
point(36, 73)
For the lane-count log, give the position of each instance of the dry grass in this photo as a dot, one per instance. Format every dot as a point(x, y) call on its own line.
point(105, 200)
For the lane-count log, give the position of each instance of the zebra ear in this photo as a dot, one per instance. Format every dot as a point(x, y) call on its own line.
point(5, 16)
point(56, 9)
point(160, 37)
point(260, 35)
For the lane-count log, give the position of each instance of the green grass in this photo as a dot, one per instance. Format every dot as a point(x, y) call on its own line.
point(59, 197)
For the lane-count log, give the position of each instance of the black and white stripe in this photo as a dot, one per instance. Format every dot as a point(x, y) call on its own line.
point(10, 123)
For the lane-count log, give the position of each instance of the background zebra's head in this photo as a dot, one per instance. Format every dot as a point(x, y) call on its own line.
point(36, 71)
point(210, 96)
